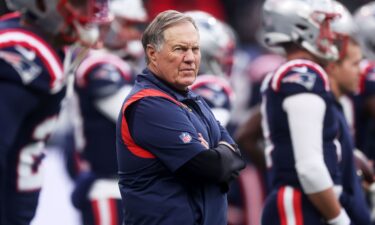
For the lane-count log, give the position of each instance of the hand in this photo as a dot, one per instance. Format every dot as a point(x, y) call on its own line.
point(203, 141)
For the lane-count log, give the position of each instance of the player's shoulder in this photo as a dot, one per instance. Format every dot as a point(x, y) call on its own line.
point(367, 70)
point(367, 78)
point(300, 76)
point(102, 65)
point(213, 84)
point(28, 54)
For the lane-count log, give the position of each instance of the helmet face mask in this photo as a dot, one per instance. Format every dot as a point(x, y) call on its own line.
point(297, 21)
point(73, 20)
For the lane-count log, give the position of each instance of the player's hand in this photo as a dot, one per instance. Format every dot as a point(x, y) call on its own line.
point(365, 169)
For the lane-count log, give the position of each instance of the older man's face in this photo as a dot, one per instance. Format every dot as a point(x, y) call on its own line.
point(178, 60)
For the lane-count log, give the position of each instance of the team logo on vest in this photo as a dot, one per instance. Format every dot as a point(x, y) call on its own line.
point(185, 137)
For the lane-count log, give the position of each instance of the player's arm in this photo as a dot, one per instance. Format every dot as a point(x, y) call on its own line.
point(16, 102)
point(108, 89)
point(306, 117)
point(190, 159)
point(110, 105)
point(221, 165)
point(248, 136)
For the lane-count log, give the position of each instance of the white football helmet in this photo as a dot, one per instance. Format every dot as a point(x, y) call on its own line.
point(364, 17)
point(129, 21)
point(303, 22)
point(70, 19)
point(344, 24)
point(343, 27)
point(217, 44)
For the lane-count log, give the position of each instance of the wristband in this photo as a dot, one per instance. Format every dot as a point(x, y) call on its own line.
point(341, 219)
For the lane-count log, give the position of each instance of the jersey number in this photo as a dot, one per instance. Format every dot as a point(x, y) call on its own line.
point(29, 174)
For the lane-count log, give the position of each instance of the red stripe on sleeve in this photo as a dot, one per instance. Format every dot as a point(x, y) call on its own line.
point(126, 137)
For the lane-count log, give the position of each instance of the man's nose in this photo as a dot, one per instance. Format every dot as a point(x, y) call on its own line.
point(189, 56)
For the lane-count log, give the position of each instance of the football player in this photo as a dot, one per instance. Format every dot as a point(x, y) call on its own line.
point(217, 45)
point(103, 80)
point(343, 76)
point(365, 100)
point(299, 118)
point(32, 86)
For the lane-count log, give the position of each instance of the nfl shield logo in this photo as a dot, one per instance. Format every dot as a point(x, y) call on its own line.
point(185, 137)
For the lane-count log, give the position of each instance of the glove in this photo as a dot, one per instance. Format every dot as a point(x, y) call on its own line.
point(236, 165)
point(232, 147)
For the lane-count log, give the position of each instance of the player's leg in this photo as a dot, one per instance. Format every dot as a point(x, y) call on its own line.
point(102, 204)
point(288, 205)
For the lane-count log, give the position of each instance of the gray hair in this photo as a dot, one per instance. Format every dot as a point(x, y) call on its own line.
point(154, 33)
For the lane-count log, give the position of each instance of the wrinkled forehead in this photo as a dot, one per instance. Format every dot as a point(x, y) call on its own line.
point(184, 32)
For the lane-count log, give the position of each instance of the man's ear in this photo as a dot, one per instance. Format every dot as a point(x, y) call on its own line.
point(151, 53)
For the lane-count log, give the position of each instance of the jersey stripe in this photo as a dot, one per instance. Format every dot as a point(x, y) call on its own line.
point(12, 37)
point(103, 211)
point(101, 58)
point(289, 206)
point(297, 206)
point(126, 137)
point(96, 211)
point(280, 206)
point(285, 68)
point(113, 211)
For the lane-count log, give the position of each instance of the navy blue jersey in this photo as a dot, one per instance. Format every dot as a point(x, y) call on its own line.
point(295, 77)
point(352, 198)
point(161, 140)
point(364, 124)
point(217, 93)
point(288, 157)
point(100, 75)
point(32, 86)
